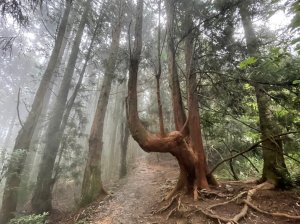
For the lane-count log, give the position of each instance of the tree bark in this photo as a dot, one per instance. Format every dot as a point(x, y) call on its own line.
point(116, 117)
point(158, 75)
point(92, 183)
point(178, 109)
point(196, 142)
point(124, 136)
point(274, 169)
point(41, 200)
point(24, 136)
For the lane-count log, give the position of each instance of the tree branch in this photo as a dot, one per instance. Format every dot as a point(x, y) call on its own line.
point(250, 149)
point(18, 112)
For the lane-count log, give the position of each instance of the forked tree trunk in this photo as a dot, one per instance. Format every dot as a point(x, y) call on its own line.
point(174, 142)
point(24, 136)
point(42, 197)
point(92, 186)
point(274, 169)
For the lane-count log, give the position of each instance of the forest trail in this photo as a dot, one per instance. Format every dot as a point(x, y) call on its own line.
point(133, 201)
point(135, 198)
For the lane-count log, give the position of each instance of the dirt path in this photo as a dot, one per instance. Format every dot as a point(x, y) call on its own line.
point(133, 201)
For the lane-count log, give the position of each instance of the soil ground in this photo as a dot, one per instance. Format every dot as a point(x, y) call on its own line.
point(138, 197)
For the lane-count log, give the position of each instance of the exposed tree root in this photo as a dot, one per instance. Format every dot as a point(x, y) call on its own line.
point(171, 212)
point(179, 186)
point(247, 203)
point(212, 216)
point(277, 214)
point(227, 202)
point(168, 205)
point(209, 194)
point(179, 207)
point(243, 212)
point(208, 211)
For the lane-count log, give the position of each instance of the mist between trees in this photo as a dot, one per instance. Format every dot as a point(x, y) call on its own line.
point(88, 88)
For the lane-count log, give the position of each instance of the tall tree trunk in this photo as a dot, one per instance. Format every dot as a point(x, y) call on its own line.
point(274, 169)
point(124, 136)
point(178, 109)
point(4, 153)
point(92, 183)
point(41, 200)
point(23, 139)
point(27, 175)
point(71, 100)
point(116, 119)
point(10, 130)
point(158, 75)
point(196, 142)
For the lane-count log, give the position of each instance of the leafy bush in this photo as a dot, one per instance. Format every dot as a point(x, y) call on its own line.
point(30, 219)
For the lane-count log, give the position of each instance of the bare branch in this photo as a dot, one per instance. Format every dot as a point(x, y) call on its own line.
point(18, 112)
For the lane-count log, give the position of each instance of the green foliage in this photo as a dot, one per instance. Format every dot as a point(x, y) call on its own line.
point(295, 23)
point(295, 82)
point(31, 219)
point(247, 62)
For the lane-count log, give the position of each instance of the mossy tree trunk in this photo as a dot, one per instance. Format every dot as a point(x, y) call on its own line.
point(92, 186)
point(24, 136)
point(274, 169)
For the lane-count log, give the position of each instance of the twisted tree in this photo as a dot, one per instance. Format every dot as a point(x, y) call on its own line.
point(187, 148)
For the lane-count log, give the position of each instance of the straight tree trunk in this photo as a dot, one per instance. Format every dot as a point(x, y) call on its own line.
point(274, 169)
point(10, 130)
point(124, 136)
point(158, 75)
point(196, 142)
point(92, 183)
point(5, 151)
point(27, 175)
point(116, 118)
point(71, 101)
point(41, 200)
point(23, 139)
point(178, 109)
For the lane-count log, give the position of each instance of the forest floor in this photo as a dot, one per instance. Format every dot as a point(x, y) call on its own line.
point(138, 199)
